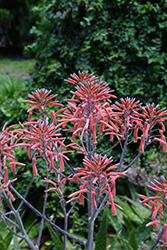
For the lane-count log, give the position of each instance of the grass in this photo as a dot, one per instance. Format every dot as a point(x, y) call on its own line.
point(13, 73)
point(16, 67)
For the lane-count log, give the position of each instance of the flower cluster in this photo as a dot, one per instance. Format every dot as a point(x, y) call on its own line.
point(87, 106)
point(158, 206)
point(8, 141)
point(152, 116)
point(124, 116)
point(41, 99)
point(97, 177)
point(132, 116)
point(43, 138)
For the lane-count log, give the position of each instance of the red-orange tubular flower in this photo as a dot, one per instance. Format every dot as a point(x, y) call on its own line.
point(132, 116)
point(153, 116)
point(57, 186)
point(125, 117)
point(8, 141)
point(86, 108)
point(41, 99)
point(157, 205)
point(44, 139)
point(4, 186)
point(127, 112)
point(97, 177)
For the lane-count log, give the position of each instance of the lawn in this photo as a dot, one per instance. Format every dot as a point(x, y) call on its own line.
point(16, 67)
point(13, 73)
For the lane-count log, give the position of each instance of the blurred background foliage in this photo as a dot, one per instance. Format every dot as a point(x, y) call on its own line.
point(123, 42)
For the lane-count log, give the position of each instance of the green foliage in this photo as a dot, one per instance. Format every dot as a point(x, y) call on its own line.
point(130, 225)
point(101, 238)
point(5, 17)
point(12, 110)
point(124, 41)
point(9, 86)
point(5, 237)
point(56, 241)
point(13, 88)
point(16, 244)
point(32, 229)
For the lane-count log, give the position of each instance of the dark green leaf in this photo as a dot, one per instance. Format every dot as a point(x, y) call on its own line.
point(15, 243)
point(55, 238)
point(100, 243)
point(132, 240)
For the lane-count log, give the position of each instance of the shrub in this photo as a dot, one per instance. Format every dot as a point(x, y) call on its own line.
point(122, 41)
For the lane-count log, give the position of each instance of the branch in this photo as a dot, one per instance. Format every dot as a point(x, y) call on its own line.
point(62, 202)
point(157, 240)
point(43, 212)
point(13, 232)
point(124, 150)
point(25, 195)
point(110, 148)
point(12, 222)
point(139, 154)
point(132, 162)
point(46, 219)
point(19, 222)
point(69, 211)
point(101, 206)
point(67, 165)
